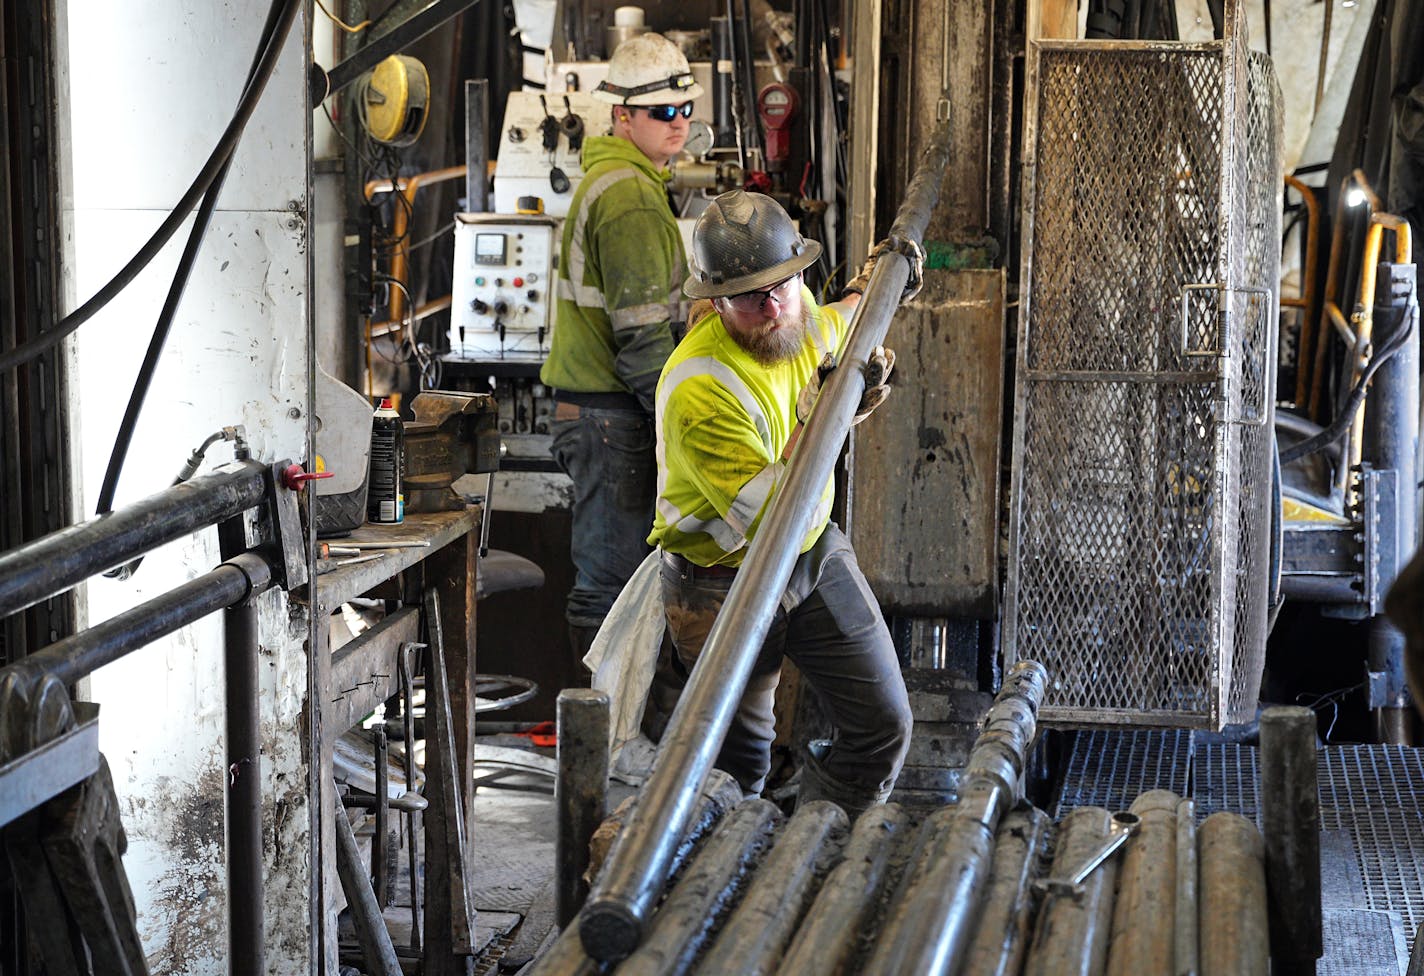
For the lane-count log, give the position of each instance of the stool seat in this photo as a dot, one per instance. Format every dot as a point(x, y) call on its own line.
point(501, 571)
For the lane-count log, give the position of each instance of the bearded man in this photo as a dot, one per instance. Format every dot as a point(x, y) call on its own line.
point(730, 406)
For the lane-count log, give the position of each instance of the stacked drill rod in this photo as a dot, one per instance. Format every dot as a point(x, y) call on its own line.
point(988, 886)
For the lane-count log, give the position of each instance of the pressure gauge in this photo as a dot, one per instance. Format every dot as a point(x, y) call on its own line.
point(700, 138)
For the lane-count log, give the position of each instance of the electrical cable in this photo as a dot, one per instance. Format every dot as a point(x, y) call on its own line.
point(341, 23)
point(124, 437)
point(1345, 418)
point(224, 149)
point(190, 468)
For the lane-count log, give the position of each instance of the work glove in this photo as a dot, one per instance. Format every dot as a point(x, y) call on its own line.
point(900, 245)
point(877, 387)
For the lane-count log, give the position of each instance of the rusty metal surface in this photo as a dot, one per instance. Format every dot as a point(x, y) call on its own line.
point(1144, 911)
point(923, 500)
point(756, 935)
point(1071, 932)
point(1146, 358)
point(705, 893)
point(1233, 896)
point(999, 945)
point(829, 935)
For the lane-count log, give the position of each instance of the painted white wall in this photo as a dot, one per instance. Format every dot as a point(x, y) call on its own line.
point(151, 86)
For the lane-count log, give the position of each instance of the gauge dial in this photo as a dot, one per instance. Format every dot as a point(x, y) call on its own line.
point(700, 138)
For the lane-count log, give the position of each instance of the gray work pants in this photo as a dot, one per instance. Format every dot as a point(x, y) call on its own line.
point(830, 625)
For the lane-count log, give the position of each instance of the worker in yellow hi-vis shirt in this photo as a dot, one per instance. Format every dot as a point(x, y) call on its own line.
point(730, 406)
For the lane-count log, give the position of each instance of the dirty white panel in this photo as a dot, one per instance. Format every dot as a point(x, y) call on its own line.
point(152, 87)
point(152, 84)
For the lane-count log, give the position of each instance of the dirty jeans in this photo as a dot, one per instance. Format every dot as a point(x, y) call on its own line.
point(830, 625)
point(608, 453)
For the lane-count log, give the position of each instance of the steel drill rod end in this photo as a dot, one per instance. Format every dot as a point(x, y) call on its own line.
point(609, 928)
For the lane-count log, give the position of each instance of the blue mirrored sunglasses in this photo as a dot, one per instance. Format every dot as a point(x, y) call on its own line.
point(666, 113)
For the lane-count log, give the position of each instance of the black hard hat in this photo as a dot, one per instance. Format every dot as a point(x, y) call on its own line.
point(745, 242)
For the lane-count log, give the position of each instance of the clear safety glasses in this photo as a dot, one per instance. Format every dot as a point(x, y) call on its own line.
point(751, 302)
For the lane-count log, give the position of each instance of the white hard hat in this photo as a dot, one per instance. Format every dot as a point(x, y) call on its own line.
point(647, 70)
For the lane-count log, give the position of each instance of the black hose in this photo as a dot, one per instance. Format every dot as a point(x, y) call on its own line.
point(124, 438)
point(205, 179)
point(1346, 416)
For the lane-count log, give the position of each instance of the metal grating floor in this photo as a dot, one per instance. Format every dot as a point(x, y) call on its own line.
point(1372, 793)
point(1109, 768)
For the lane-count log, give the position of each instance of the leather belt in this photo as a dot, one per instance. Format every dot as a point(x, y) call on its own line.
point(693, 571)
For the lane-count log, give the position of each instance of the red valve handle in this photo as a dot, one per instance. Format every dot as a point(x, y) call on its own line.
point(295, 478)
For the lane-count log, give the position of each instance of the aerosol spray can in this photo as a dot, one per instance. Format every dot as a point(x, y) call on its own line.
point(385, 498)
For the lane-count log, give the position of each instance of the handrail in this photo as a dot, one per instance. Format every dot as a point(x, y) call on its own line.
point(62, 560)
point(613, 922)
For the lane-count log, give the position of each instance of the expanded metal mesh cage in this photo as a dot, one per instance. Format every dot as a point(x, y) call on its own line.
point(1139, 546)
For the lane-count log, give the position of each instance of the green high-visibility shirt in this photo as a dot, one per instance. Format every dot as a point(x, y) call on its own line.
point(723, 420)
point(621, 268)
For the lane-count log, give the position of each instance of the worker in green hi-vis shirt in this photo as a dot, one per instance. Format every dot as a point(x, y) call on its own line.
point(621, 265)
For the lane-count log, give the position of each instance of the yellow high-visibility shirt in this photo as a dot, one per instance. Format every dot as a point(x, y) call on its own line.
point(723, 420)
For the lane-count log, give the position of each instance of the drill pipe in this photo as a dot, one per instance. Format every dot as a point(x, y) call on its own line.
point(1185, 951)
point(1145, 914)
point(1290, 813)
point(999, 945)
point(932, 920)
point(826, 940)
point(618, 908)
point(1071, 936)
point(566, 956)
point(753, 939)
point(702, 896)
point(1234, 941)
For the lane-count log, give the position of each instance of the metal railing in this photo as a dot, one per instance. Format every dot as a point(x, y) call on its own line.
point(41, 754)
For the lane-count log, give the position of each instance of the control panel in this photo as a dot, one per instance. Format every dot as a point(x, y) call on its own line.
point(540, 145)
point(502, 297)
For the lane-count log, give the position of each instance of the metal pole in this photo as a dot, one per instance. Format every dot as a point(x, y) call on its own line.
point(930, 926)
point(693, 907)
point(613, 923)
point(1290, 813)
point(87, 651)
point(581, 790)
point(64, 559)
point(370, 923)
point(1144, 915)
point(828, 935)
point(1188, 890)
point(754, 938)
point(1391, 441)
point(1071, 935)
point(1002, 938)
point(246, 950)
point(477, 148)
point(1233, 897)
point(404, 34)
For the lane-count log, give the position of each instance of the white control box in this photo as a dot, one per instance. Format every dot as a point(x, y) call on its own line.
point(502, 297)
point(525, 166)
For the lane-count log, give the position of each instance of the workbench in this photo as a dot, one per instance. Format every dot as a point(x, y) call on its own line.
point(350, 683)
